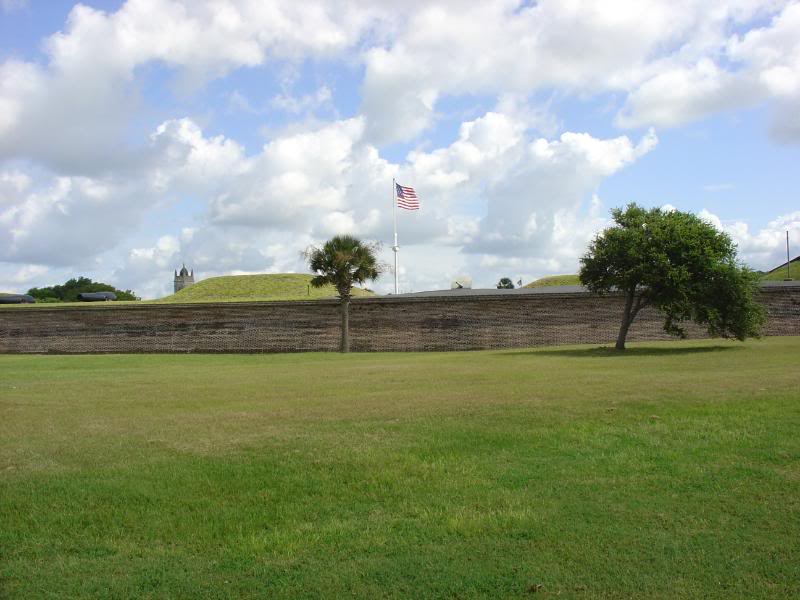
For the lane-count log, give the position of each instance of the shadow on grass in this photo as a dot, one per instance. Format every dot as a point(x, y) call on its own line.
point(610, 352)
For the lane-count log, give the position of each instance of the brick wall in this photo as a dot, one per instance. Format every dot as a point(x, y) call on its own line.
point(377, 324)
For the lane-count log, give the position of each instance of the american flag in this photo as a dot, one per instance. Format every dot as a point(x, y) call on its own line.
point(406, 197)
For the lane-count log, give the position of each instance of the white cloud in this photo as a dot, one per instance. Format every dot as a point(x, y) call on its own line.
point(307, 102)
point(73, 112)
point(9, 6)
point(206, 37)
point(545, 187)
point(65, 220)
point(765, 248)
point(494, 194)
point(762, 64)
point(13, 185)
point(493, 191)
point(18, 80)
point(62, 220)
point(81, 182)
point(685, 94)
point(578, 47)
point(181, 159)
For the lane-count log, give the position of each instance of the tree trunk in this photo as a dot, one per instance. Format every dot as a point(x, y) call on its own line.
point(344, 346)
point(627, 319)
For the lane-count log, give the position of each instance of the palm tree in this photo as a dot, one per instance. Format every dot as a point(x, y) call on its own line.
point(343, 261)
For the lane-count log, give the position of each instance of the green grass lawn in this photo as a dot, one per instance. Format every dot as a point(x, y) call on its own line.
point(554, 280)
point(672, 471)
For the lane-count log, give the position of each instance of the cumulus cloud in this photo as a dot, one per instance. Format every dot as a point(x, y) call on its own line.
point(583, 48)
point(255, 212)
point(774, 53)
point(304, 103)
point(494, 190)
point(764, 248)
point(527, 207)
point(73, 112)
point(521, 191)
point(85, 177)
point(685, 94)
point(66, 219)
point(675, 61)
point(62, 220)
point(759, 65)
point(493, 196)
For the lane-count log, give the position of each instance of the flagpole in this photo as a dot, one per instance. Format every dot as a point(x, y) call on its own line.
point(394, 218)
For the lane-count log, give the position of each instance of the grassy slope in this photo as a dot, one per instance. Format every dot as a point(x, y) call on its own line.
point(670, 472)
point(234, 288)
point(281, 286)
point(554, 280)
point(780, 274)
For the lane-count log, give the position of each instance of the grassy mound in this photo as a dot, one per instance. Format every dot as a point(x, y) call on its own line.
point(244, 288)
point(779, 274)
point(554, 280)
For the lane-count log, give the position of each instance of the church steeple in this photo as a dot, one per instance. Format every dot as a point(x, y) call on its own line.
point(184, 278)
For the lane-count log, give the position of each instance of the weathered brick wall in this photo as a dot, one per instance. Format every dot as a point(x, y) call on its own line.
point(509, 321)
point(377, 324)
point(223, 327)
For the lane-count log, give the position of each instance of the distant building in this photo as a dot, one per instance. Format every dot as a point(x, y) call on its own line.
point(184, 278)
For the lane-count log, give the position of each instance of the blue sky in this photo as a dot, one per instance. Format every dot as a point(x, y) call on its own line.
point(139, 135)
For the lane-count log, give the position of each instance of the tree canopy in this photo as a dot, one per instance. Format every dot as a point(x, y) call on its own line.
point(68, 292)
point(677, 263)
point(343, 261)
point(505, 284)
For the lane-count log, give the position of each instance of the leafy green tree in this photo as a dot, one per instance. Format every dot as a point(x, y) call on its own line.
point(505, 284)
point(343, 261)
point(678, 264)
point(68, 292)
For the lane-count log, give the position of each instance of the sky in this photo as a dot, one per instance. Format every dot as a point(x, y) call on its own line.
point(230, 135)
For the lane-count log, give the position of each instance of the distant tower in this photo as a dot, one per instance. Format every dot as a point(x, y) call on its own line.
point(184, 278)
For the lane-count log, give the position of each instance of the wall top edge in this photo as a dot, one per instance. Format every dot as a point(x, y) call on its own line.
point(555, 292)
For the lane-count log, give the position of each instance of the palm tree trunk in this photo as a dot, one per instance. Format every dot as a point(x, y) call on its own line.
point(627, 318)
point(345, 342)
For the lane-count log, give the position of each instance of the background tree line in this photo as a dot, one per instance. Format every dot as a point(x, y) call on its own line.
point(68, 292)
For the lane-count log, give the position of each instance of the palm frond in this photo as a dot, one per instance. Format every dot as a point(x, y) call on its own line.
point(343, 261)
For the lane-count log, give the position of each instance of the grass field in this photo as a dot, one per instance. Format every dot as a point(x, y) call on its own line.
point(672, 471)
point(554, 280)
